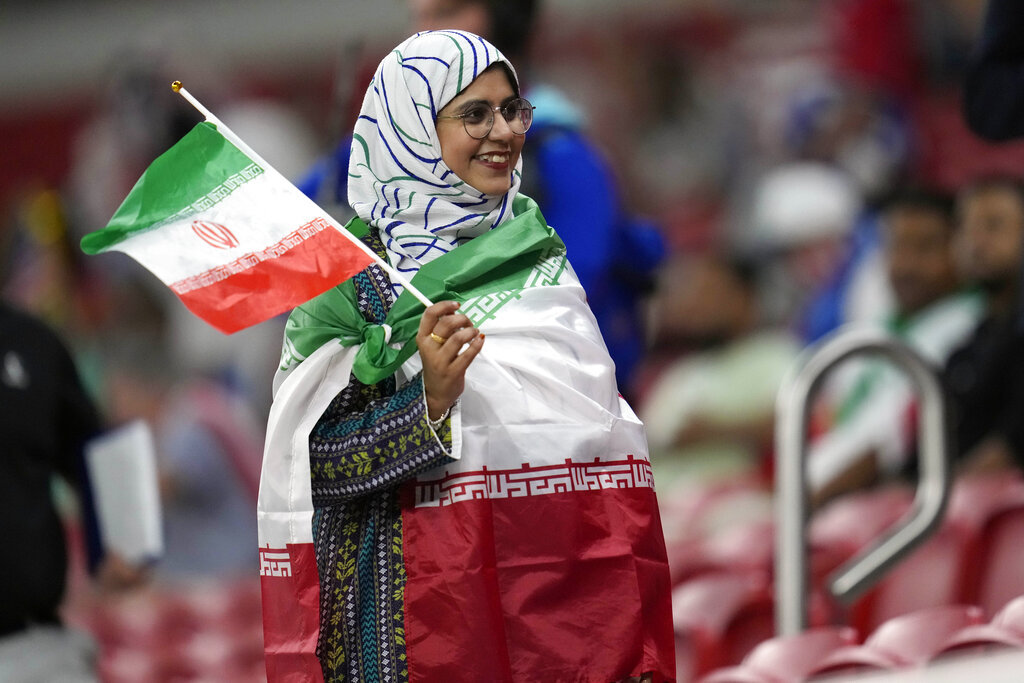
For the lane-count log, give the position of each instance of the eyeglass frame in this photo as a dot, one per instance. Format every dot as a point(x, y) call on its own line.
point(491, 110)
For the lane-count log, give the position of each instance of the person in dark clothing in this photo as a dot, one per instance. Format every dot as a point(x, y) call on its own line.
point(46, 418)
point(993, 96)
point(985, 377)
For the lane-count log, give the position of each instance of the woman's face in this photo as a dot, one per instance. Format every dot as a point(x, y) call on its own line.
point(487, 164)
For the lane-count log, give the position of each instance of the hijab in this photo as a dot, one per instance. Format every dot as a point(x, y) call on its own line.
point(398, 183)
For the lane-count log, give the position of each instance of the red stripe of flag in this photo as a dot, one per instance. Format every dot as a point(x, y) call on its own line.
point(269, 287)
point(291, 618)
point(487, 597)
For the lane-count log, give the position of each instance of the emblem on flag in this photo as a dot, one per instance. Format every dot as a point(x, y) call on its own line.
point(215, 234)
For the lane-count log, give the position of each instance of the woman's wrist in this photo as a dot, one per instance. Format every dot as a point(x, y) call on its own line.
point(437, 410)
point(436, 424)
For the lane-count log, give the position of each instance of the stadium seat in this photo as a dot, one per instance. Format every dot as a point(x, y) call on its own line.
point(975, 499)
point(702, 510)
point(125, 666)
point(1006, 629)
point(130, 622)
point(786, 659)
point(940, 571)
point(998, 578)
point(854, 520)
point(905, 641)
point(932, 575)
point(719, 618)
point(199, 631)
point(745, 547)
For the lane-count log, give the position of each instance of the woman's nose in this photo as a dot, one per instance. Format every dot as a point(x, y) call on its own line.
point(501, 129)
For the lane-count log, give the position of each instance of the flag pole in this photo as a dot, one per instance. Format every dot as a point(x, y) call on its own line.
point(177, 87)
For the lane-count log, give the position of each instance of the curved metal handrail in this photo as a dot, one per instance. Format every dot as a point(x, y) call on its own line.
point(860, 573)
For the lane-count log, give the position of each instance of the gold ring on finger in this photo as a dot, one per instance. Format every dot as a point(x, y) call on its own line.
point(438, 338)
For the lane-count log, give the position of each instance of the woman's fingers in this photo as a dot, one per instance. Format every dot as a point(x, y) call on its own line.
point(455, 341)
point(443, 334)
point(448, 342)
point(442, 328)
point(440, 321)
point(435, 313)
point(462, 361)
point(444, 370)
point(448, 325)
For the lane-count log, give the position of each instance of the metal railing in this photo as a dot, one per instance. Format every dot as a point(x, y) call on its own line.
point(792, 579)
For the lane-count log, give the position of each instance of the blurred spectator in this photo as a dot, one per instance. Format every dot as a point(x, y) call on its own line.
point(709, 413)
point(614, 254)
point(866, 135)
point(46, 420)
point(873, 403)
point(40, 269)
point(687, 111)
point(803, 214)
point(994, 85)
point(986, 376)
point(45, 274)
point(208, 446)
point(862, 132)
point(947, 30)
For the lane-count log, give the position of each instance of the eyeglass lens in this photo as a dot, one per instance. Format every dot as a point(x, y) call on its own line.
point(479, 120)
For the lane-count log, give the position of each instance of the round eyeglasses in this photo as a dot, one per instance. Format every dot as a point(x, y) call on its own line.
point(479, 118)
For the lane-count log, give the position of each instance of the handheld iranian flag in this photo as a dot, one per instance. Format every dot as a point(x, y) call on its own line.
point(235, 240)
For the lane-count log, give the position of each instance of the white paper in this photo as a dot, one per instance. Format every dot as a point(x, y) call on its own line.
point(122, 469)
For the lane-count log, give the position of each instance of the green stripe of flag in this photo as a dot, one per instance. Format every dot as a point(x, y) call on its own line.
point(197, 171)
point(499, 260)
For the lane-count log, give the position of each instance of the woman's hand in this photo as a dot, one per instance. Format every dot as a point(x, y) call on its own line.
point(441, 336)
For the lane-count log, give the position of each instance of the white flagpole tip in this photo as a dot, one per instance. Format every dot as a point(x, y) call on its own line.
point(176, 86)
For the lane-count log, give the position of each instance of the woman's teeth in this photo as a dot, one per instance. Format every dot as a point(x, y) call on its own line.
point(494, 158)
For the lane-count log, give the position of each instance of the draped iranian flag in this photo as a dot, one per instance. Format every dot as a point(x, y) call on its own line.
point(232, 238)
point(536, 554)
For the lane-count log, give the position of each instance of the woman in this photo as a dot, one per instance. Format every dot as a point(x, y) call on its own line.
point(467, 528)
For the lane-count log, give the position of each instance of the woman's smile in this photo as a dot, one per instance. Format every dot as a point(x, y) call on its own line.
point(496, 160)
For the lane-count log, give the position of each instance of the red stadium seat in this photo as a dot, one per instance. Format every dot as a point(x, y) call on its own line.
point(975, 499)
point(746, 547)
point(949, 568)
point(932, 575)
point(786, 659)
point(719, 618)
point(905, 641)
point(699, 511)
point(998, 577)
point(196, 631)
point(852, 521)
point(1005, 630)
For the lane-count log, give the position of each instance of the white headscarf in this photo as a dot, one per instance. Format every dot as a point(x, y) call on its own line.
point(397, 180)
